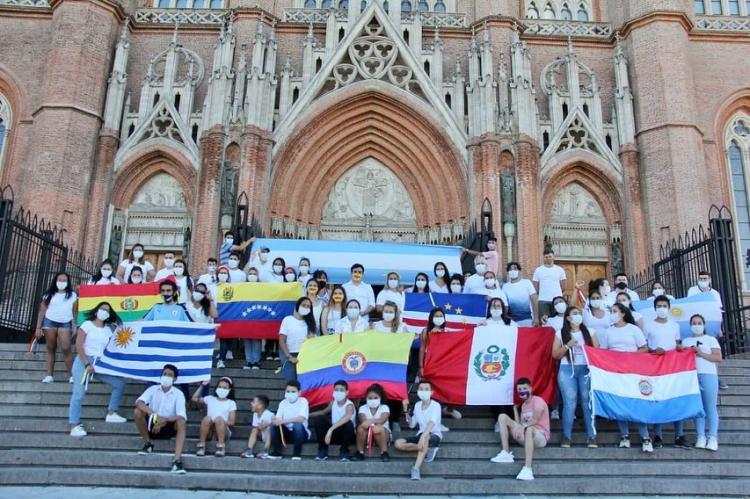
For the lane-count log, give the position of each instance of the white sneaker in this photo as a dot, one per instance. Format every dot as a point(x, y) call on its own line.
point(70, 380)
point(503, 457)
point(48, 379)
point(455, 414)
point(78, 431)
point(115, 418)
point(230, 355)
point(497, 426)
point(700, 443)
point(296, 458)
point(552, 415)
point(525, 474)
point(220, 364)
point(713, 444)
point(647, 446)
point(444, 428)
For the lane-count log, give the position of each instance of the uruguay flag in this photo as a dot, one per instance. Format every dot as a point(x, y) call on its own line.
point(643, 387)
point(139, 350)
point(682, 309)
point(463, 312)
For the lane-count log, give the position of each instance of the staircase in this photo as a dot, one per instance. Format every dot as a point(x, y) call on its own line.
point(37, 450)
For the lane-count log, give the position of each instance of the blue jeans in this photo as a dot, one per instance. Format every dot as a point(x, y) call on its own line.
point(679, 429)
point(297, 435)
point(575, 387)
point(252, 351)
point(79, 391)
point(624, 430)
point(709, 384)
point(289, 370)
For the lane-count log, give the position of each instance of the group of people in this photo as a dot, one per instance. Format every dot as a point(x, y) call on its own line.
point(595, 315)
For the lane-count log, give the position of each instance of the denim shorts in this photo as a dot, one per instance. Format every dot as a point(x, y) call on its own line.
point(48, 323)
point(434, 440)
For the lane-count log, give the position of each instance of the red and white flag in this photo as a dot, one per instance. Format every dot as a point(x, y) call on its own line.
point(481, 367)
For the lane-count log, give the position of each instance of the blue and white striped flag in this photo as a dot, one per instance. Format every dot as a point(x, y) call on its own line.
point(139, 350)
point(682, 309)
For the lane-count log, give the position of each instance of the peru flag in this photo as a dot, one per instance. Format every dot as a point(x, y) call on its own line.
point(481, 367)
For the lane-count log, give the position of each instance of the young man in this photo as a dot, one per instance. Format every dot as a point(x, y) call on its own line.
point(621, 286)
point(522, 297)
point(236, 274)
point(209, 278)
point(357, 289)
point(291, 420)
point(339, 427)
point(170, 310)
point(490, 256)
point(474, 284)
point(160, 415)
point(704, 286)
point(530, 428)
point(261, 428)
point(663, 335)
point(426, 443)
point(549, 281)
point(168, 267)
point(228, 247)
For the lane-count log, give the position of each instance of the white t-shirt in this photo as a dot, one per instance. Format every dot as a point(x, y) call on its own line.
point(237, 275)
point(436, 288)
point(96, 338)
point(304, 279)
point(556, 322)
point(612, 296)
point(389, 295)
point(334, 316)
point(382, 409)
point(269, 276)
point(549, 281)
point(60, 309)
point(519, 296)
point(183, 289)
point(289, 411)
point(166, 404)
point(379, 326)
point(196, 313)
point(266, 417)
point(708, 343)
point(163, 273)
point(598, 325)
point(694, 290)
point(423, 416)
point(128, 265)
point(578, 356)
point(363, 293)
point(338, 412)
point(105, 280)
point(660, 335)
point(216, 407)
point(494, 293)
point(628, 338)
point(344, 325)
point(474, 285)
point(295, 331)
point(210, 281)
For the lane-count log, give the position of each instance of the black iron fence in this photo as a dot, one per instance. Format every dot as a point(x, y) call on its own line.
point(31, 252)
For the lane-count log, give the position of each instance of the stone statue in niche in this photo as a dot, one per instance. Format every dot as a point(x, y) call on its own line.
point(618, 265)
point(509, 197)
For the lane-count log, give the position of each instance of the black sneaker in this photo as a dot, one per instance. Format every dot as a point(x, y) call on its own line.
point(565, 443)
point(657, 442)
point(178, 468)
point(385, 457)
point(147, 449)
point(682, 443)
point(358, 457)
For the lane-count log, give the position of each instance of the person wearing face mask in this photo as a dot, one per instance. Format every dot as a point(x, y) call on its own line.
point(261, 260)
point(521, 297)
point(209, 278)
point(104, 274)
point(225, 345)
point(529, 427)
point(339, 427)
point(135, 258)
point(573, 376)
point(136, 276)
point(236, 274)
point(490, 256)
point(420, 284)
point(276, 272)
point(304, 271)
point(166, 271)
point(497, 314)
point(441, 282)
point(354, 322)
point(391, 292)
point(426, 417)
point(556, 321)
point(624, 298)
point(657, 289)
point(221, 415)
point(57, 321)
point(704, 286)
point(324, 294)
point(492, 289)
point(294, 330)
point(253, 275)
point(621, 286)
point(228, 247)
point(260, 428)
point(436, 323)
point(663, 335)
point(359, 290)
point(169, 310)
point(253, 348)
point(456, 286)
point(549, 281)
point(160, 414)
point(707, 357)
point(373, 418)
point(311, 291)
point(624, 336)
point(290, 275)
point(391, 322)
point(93, 336)
point(184, 281)
point(596, 314)
point(334, 311)
point(474, 284)
point(201, 306)
point(292, 419)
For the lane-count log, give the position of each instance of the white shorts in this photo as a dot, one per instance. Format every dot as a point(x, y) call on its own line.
point(539, 439)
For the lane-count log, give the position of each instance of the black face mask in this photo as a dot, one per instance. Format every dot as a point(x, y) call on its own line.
point(322, 285)
point(621, 285)
point(167, 298)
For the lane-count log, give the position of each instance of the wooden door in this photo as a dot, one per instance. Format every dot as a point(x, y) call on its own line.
point(581, 271)
point(157, 259)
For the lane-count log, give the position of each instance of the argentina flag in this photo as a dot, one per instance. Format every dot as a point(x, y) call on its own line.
point(139, 350)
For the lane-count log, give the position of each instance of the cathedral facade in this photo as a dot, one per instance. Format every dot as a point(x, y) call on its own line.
point(603, 128)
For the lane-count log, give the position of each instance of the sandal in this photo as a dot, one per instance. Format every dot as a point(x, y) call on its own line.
point(200, 450)
point(220, 450)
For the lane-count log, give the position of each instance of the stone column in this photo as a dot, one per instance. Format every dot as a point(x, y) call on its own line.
point(636, 232)
point(100, 187)
point(528, 204)
point(484, 154)
point(255, 172)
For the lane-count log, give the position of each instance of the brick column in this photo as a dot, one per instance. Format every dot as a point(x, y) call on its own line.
point(635, 233)
point(255, 172)
point(484, 154)
point(528, 204)
point(100, 187)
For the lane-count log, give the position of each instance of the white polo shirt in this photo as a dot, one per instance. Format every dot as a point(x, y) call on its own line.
point(361, 292)
point(166, 404)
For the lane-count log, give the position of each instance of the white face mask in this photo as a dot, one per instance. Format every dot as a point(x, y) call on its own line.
point(339, 396)
point(352, 313)
point(252, 278)
point(198, 296)
point(438, 321)
point(233, 264)
point(662, 312)
point(598, 303)
point(626, 303)
point(388, 316)
point(576, 319)
point(61, 285)
point(496, 313)
point(136, 279)
point(657, 292)
point(421, 284)
point(561, 307)
point(291, 397)
point(264, 257)
point(614, 317)
point(393, 283)
point(303, 311)
point(223, 277)
point(373, 403)
point(166, 381)
point(289, 277)
point(491, 246)
point(424, 395)
point(456, 288)
point(304, 269)
point(278, 269)
point(179, 271)
point(138, 254)
point(168, 262)
point(222, 393)
point(440, 273)
point(489, 283)
point(211, 269)
point(229, 240)
point(106, 273)
point(480, 268)
point(704, 284)
point(605, 290)
point(697, 329)
point(102, 314)
point(513, 274)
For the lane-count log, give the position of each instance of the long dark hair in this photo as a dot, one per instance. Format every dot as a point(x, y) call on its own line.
point(431, 317)
point(309, 318)
point(52, 289)
point(377, 389)
point(112, 320)
point(98, 274)
point(136, 268)
point(627, 315)
point(446, 277)
point(455, 277)
point(205, 302)
point(185, 274)
point(566, 335)
point(623, 293)
point(331, 303)
point(505, 317)
point(130, 253)
point(231, 386)
point(426, 289)
point(596, 284)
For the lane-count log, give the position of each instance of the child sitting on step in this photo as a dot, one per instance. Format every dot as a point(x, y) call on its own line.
point(261, 427)
point(221, 414)
point(427, 415)
point(373, 428)
point(290, 423)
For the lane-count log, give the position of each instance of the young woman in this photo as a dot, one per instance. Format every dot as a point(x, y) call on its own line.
point(658, 289)
point(354, 322)
point(290, 275)
point(441, 283)
point(183, 279)
point(221, 415)
point(391, 292)
point(435, 324)
point(420, 284)
point(311, 290)
point(492, 288)
point(135, 257)
point(56, 322)
point(596, 314)
point(294, 330)
point(707, 357)
point(497, 313)
point(225, 345)
point(93, 336)
point(253, 275)
point(304, 271)
point(136, 275)
point(624, 299)
point(334, 311)
point(104, 274)
point(277, 271)
point(456, 286)
point(556, 321)
point(253, 348)
point(373, 419)
point(201, 306)
point(324, 294)
point(625, 336)
point(391, 322)
point(573, 377)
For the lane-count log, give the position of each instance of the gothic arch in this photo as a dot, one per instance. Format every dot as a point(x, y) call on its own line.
point(16, 99)
point(367, 120)
point(730, 106)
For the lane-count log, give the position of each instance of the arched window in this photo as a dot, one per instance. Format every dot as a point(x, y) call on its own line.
point(582, 14)
point(737, 138)
point(566, 14)
point(734, 7)
point(163, 4)
point(199, 4)
point(310, 4)
point(327, 4)
point(5, 124)
point(716, 7)
point(386, 6)
point(549, 12)
point(344, 4)
point(422, 6)
point(363, 5)
point(532, 12)
point(217, 4)
point(181, 4)
point(439, 6)
point(700, 8)
point(406, 6)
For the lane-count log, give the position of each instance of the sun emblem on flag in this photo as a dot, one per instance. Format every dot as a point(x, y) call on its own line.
point(129, 304)
point(677, 312)
point(124, 336)
point(492, 364)
point(645, 387)
point(227, 293)
point(353, 362)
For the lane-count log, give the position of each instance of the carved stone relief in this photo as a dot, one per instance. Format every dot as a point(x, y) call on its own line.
point(577, 227)
point(575, 204)
point(162, 191)
point(158, 216)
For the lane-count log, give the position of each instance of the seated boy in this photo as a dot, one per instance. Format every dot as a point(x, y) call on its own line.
point(290, 422)
point(160, 414)
point(531, 429)
point(262, 418)
point(427, 414)
point(339, 427)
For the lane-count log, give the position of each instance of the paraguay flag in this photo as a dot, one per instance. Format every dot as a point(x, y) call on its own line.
point(643, 387)
point(682, 309)
point(462, 311)
point(360, 359)
point(139, 350)
point(255, 309)
point(481, 367)
point(130, 301)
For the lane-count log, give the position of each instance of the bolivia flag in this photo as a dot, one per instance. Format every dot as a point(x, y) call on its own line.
point(360, 359)
point(643, 387)
point(129, 301)
point(481, 367)
point(255, 309)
